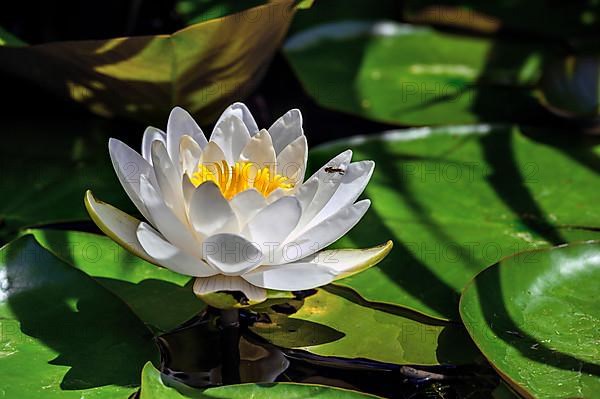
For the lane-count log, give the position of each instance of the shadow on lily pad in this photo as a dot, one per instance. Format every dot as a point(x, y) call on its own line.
point(71, 321)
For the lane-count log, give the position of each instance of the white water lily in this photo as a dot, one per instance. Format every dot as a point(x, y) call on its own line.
point(234, 211)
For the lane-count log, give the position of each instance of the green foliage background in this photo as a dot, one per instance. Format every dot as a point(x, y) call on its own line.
point(482, 119)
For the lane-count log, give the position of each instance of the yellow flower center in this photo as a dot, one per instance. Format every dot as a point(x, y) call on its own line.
point(232, 180)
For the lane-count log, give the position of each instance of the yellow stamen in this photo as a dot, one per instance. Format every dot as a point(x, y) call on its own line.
point(232, 180)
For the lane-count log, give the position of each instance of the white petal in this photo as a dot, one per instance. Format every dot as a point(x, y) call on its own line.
point(351, 186)
point(231, 254)
point(259, 151)
point(166, 222)
point(181, 123)
point(190, 153)
point(169, 256)
point(274, 223)
point(150, 135)
point(291, 277)
point(346, 262)
point(329, 177)
point(306, 193)
point(211, 154)
point(231, 135)
point(129, 166)
point(204, 286)
point(247, 204)
point(210, 212)
point(291, 161)
point(116, 224)
point(241, 111)
point(168, 179)
point(188, 189)
point(277, 194)
point(286, 129)
point(321, 235)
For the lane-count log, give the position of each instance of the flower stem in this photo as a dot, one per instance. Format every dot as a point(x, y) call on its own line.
point(230, 318)
point(230, 346)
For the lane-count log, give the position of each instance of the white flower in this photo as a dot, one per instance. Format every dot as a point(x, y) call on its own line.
point(235, 211)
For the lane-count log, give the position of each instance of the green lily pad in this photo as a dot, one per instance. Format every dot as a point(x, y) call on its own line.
point(203, 67)
point(414, 75)
point(502, 391)
point(47, 165)
point(344, 326)
point(455, 200)
point(195, 11)
point(535, 316)
point(158, 386)
point(8, 39)
point(61, 334)
point(561, 20)
point(337, 10)
point(159, 297)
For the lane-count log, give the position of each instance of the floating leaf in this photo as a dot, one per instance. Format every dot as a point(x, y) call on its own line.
point(203, 67)
point(502, 391)
point(337, 10)
point(158, 386)
point(304, 4)
point(341, 326)
point(560, 20)
point(46, 166)
point(535, 316)
point(455, 200)
point(413, 75)
point(8, 39)
point(158, 296)
point(62, 334)
point(194, 11)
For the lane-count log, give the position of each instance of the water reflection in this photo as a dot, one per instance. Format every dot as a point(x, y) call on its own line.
point(200, 353)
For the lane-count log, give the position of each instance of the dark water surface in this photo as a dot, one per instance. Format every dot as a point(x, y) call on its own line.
point(203, 354)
